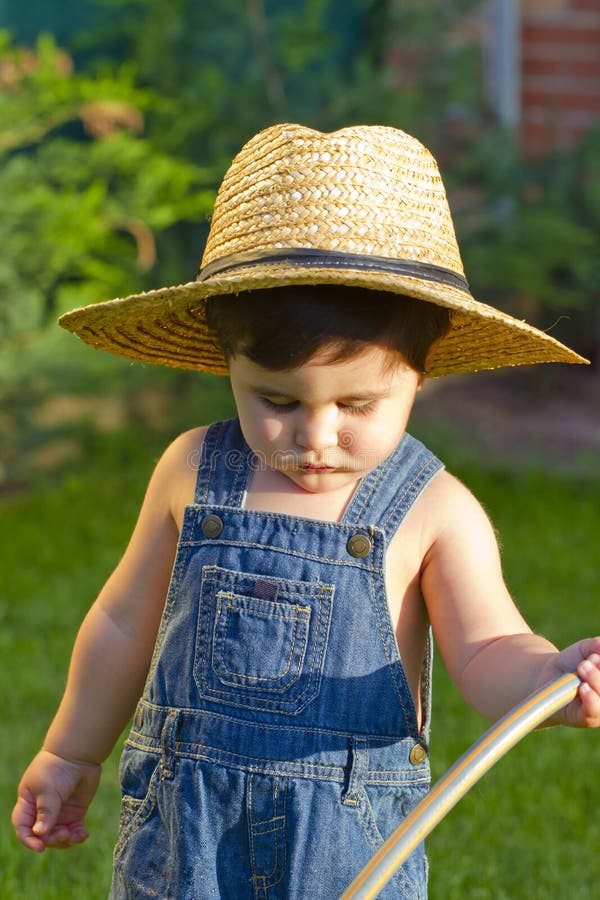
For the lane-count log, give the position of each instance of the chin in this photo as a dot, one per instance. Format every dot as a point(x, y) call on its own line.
point(322, 482)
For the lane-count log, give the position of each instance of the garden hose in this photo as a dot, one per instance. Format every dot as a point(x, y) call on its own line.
point(480, 757)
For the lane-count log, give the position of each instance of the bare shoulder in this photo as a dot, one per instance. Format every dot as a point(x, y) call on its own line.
point(451, 512)
point(467, 599)
point(183, 452)
point(461, 573)
point(174, 477)
point(446, 490)
point(447, 524)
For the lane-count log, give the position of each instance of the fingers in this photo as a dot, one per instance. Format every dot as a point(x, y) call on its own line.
point(64, 836)
point(48, 806)
point(590, 647)
point(61, 838)
point(23, 818)
point(34, 818)
point(45, 821)
point(589, 691)
point(66, 830)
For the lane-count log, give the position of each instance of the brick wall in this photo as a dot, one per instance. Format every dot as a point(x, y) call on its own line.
point(560, 72)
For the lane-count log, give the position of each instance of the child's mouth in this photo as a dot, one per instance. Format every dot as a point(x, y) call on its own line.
point(313, 467)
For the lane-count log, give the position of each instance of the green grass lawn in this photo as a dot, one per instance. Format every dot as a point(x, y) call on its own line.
point(530, 829)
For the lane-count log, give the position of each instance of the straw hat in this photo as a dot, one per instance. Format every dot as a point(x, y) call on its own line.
point(364, 206)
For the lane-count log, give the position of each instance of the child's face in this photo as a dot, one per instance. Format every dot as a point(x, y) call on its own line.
point(324, 425)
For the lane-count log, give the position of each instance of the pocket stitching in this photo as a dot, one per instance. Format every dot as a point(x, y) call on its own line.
point(294, 618)
point(145, 807)
point(216, 580)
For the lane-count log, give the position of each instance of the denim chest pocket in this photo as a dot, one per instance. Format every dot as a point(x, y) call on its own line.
point(260, 641)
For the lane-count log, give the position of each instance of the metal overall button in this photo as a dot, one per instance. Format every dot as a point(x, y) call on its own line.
point(359, 545)
point(211, 525)
point(417, 755)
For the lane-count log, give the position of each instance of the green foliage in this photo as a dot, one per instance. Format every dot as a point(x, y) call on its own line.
point(109, 168)
point(530, 237)
point(89, 193)
point(103, 161)
point(534, 245)
point(233, 67)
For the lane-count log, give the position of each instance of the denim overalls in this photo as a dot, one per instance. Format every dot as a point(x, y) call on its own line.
point(276, 745)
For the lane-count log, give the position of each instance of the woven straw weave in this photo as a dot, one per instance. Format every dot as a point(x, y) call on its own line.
point(363, 193)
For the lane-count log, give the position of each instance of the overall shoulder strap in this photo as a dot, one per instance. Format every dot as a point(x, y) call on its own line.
point(224, 466)
point(385, 495)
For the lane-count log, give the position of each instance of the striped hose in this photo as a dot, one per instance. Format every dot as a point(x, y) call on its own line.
point(446, 793)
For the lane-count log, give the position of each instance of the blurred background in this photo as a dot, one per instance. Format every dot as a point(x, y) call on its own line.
point(118, 119)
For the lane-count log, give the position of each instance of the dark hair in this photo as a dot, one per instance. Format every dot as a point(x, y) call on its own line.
point(282, 328)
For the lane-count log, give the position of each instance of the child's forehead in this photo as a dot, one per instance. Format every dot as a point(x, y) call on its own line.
point(366, 374)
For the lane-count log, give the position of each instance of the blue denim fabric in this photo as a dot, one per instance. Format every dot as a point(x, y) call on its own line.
point(269, 757)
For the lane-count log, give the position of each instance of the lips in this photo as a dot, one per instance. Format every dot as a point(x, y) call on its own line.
point(316, 468)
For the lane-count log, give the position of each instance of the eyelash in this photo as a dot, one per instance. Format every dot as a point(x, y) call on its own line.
point(362, 410)
point(280, 407)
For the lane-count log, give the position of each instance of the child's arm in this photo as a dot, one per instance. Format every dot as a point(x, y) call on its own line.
point(108, 668)
point(489, 650)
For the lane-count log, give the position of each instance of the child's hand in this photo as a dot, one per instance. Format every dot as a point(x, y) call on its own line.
point(54, 795)
point(584, 659)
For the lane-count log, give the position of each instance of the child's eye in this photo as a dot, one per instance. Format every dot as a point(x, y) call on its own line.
point(279, 405)
point(358, 409)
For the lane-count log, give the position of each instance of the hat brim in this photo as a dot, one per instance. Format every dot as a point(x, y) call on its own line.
point(168, 326)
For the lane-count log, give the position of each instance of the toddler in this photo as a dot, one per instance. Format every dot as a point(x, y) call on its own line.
point(269, 623)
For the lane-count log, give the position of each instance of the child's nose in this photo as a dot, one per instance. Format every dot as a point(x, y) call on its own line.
point(317, 429)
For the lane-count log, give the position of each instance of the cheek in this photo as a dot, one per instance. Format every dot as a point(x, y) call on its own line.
point(379, 436)
point(269, 429)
